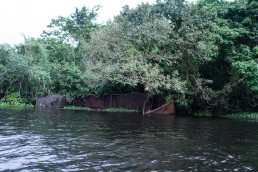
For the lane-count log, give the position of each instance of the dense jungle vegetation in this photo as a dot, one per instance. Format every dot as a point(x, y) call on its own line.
point(204, 55)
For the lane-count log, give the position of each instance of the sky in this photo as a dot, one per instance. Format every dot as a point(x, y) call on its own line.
point(28, 18)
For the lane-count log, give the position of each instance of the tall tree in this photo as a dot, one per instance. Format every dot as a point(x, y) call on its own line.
point(142, 46)
point(25, 70)
point(234, 69)
point(74, 28)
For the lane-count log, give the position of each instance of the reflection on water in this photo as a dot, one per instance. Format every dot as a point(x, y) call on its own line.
point(59, 140)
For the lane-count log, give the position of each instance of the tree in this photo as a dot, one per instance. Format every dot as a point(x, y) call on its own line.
point(126, 51)
point(190, 42)
point(74, 28)
point(234, 68)
point(23, 74)
point(6, 52)
point(143, 46)
point(65, 34)
point(68, 80)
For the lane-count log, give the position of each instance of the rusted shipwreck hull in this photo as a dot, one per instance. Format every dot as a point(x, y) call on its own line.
point(144, 102)
point(133, 101)
point(53, 101)
point(166, 109)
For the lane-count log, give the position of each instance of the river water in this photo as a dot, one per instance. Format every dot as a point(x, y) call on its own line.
point(66, 140)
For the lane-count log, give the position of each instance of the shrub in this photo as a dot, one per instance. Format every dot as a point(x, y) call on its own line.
point(13, 98)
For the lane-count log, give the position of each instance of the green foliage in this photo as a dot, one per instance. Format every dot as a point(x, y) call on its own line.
point(102, 110)
point(233, 70)
point(6, 52)
point(77, 108)
point(182, 102)
point(13, 98)
point(74, 28)
point(127, 51)
point(116, 88)
point(17, 105)
point(169, 98)
point(59, 51)
point(50, 64)
point(244, 116)
point(67, 79)
point(203, 113)
point(22, 72)
point(120, 110)
point(249, 70)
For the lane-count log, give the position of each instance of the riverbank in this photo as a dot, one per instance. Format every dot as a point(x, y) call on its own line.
point(102, 110)
point(242, 116)
point(245, 116)
point(16, 106)
point(21, 106)
point(205, 113)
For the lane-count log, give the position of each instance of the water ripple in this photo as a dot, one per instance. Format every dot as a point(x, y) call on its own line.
point(74, 141)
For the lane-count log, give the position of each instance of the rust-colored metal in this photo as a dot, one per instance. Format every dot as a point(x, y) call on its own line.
point(166, 109)
point(134, 101)
point(144, 102)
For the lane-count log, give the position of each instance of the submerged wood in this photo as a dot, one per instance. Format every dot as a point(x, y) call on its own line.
point(166, 109)
point(54, 101)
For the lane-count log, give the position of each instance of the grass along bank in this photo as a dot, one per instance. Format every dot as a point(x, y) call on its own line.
point(16, 105)
point(203, 113)
point(245, 116)
point(23, 105)
point(102, 110)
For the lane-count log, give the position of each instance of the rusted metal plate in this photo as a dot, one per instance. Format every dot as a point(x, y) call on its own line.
point(135, 101)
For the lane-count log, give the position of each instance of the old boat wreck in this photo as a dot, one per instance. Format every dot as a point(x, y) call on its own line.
point(166, 109)
point(148, 104)
point(158, 106)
